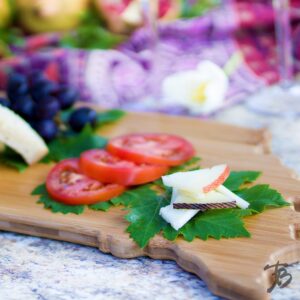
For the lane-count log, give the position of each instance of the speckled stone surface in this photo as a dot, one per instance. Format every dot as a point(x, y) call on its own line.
point(34, 268)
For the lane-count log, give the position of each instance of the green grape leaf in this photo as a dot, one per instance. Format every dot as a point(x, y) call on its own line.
point(262, 197)
point(144, 218)
point(53, 205)
point(237, 179)
point(104, 206)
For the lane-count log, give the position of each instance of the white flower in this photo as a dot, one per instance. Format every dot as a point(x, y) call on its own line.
point(201, 90)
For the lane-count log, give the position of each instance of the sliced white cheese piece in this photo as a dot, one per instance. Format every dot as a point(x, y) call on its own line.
point(214, 197)
point(239, 201)
point(197, 181)
point(210, 197)
point(178, 217)
point(19, 135)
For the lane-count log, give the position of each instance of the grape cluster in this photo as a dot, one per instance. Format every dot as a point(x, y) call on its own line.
point(39, 100)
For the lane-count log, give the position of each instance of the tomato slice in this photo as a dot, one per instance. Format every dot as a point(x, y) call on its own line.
point(152, 148)
point(65, 183)
point(108, 168)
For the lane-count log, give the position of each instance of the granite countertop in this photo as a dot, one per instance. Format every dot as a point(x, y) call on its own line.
point(35, 268)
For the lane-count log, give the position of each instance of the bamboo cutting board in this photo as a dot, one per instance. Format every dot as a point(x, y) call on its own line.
point(231, 268)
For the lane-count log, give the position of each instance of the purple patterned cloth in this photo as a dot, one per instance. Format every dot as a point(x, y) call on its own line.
point(129, 76)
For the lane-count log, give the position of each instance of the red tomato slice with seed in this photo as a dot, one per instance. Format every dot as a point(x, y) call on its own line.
point(65, 183)
point(106, 167)
point(152, 148)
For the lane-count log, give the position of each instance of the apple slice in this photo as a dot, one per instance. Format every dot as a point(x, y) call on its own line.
point(219, 173)
point(198, 181)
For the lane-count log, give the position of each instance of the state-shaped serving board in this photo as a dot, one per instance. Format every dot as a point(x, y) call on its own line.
point(232, 268)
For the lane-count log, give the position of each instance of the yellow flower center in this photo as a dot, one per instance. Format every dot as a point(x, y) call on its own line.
point(199, 94)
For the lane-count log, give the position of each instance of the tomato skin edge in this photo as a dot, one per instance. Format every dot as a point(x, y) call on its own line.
point(140, 158)
point(123, 175)
point(73, 201)
point(78, 193)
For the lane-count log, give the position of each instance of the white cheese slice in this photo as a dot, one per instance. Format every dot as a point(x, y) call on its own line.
point(18, 135)
point(178, 217)
point(210, 197)
point(214, 197)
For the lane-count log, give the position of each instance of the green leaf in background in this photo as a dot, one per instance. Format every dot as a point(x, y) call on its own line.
point(91, 17)
point(109, 116)
point(12, 159)
point(91, 37)
point(91, 34)
point(8, 37)
point(104, 206)
point(237, 179)
point(261, 197)
point(53, 205)
point(73, 146)
point(39, 190)
point(196, 8)
point(64, 115)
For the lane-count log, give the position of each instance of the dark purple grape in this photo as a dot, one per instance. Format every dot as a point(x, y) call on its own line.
point(17, 84)
point(36, 78)
point(81, 117)
point(24, 107)
point(5, 102)
point(66, 97)
point(47, 129)
point(42, 90)
point(46, 109)
point(14, 96)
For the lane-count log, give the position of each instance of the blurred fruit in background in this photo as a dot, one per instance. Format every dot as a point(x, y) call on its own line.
point(91, 34)
point(5, 13)
point(37, 16)
point(81, 117)
point(123, 16)
point(47, 129)
point(86, 24)
point(196, 8)
point(40, 102)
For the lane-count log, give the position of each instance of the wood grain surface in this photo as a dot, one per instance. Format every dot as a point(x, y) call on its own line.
point(232, 268)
